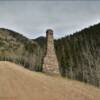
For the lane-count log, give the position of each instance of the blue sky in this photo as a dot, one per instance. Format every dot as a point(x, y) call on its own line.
point(32, 18)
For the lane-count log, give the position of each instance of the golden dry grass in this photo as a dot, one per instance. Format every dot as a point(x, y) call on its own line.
point(17, 83)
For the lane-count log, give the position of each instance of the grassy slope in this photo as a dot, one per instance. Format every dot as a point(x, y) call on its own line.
point(17, 83)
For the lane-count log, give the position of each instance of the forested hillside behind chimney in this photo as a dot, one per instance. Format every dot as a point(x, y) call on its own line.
point(79, 55)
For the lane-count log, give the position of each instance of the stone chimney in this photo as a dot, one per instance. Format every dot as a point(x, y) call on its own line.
point(50, 63)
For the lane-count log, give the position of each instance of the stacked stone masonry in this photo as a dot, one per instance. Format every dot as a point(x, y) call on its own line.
point(50, 64)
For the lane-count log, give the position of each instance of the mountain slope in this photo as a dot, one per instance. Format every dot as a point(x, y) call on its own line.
point(17, 83)
point(19, 49)
point(80, 57)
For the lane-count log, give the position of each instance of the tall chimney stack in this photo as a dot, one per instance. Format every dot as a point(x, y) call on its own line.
point(50, 63)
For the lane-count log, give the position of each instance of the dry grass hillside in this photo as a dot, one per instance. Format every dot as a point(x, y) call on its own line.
point(17, 83)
